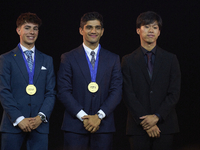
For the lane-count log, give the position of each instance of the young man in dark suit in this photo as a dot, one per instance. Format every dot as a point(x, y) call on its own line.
point(151, 89)
point(27, 95)
point(90, 87)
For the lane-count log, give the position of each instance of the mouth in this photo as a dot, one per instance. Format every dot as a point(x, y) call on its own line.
point(31, 37)
point(93, 36)
point(151, 36)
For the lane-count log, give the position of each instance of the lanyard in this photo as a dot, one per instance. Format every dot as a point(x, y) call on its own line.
point(30, 73)
point(93, 72)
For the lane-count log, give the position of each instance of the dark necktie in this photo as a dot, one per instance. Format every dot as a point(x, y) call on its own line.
point(149, 63)
point(93, 59)
point(29, 59)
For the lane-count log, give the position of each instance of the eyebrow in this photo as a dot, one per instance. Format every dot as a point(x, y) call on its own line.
point(27, 26)
point(93, 26)
point(151, 24)
point(155, 24)
point(31, 26)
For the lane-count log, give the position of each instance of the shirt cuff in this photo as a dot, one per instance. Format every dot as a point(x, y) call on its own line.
point(103, 115)
point(158, 115)
point(80, 114)
point(18, 120)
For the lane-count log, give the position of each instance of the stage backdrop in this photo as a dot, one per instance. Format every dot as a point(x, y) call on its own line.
point(59, 33)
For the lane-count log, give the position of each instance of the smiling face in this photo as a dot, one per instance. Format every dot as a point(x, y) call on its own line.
point(28, 34)
point(91, 32)
point(148, 34)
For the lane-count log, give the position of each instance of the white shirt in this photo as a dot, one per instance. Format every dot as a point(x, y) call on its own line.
point(25, 49)
point(88, 51)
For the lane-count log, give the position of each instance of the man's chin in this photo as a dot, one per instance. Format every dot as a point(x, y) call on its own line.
point(30, 43)
point(150, 42)
point(93, 42)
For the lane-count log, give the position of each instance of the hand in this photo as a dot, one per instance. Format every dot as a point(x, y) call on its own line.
point(25, 125)
point(154, 132)
point(91, 123)
point(35, 122)
point(149, 121)
point(85, 123)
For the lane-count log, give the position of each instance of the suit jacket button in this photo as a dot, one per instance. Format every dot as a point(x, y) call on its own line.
point(151, 92)
point(29, 104)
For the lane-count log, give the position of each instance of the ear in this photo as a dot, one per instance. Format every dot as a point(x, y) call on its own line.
point(138, 31)
point(102, 31)
point(80, 30)
point(159, 33)
point(18, 30)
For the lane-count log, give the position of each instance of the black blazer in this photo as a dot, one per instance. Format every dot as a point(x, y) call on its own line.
point(144, 96)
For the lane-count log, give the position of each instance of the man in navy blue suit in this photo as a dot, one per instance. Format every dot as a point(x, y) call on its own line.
point(27, 94)
point(90, 87)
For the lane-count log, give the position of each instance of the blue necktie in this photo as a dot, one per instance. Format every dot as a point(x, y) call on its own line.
point(29, 59)
point(93, 59)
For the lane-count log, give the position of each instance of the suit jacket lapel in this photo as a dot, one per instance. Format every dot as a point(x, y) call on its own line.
point(157, 64)
point(38, 64)
point(141, 62)
point(17, 55)
point(80, 57)
point(103, 61)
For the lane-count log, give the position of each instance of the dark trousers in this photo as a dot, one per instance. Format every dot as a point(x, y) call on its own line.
point(100, 141)
point(34, 140)
point(144, 142)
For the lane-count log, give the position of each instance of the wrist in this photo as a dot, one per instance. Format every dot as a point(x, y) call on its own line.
point(100, 116)
point(42, 117)
point(157, 117)
point(39, 118)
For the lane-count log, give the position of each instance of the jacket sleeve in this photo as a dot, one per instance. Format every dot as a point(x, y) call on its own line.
point(8, 102)
point(173, 91)
point(64, 86)
point(49, 95)
point(115, 89)
point(132, 103)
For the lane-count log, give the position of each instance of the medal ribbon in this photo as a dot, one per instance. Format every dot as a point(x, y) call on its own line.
point(93, 72)
point(30, 73)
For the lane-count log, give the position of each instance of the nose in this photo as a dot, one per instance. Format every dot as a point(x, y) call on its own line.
point(151, 29)
point(93, 30)
point(31, 31)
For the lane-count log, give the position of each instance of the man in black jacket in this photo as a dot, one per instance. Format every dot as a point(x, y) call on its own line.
point(151, 89)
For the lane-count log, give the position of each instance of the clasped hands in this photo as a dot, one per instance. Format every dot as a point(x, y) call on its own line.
point(28, 124)
point(91, 123)
point(149, 124)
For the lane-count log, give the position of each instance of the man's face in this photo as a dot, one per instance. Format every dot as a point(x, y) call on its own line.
point(28, 34)
point(149, 33)
point(91, 32)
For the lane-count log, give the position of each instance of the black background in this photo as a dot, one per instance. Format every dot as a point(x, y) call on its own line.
point(59, 33)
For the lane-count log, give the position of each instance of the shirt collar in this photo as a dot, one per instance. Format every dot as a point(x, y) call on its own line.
point(146, 51)
point(88, 50)
point(24, 48)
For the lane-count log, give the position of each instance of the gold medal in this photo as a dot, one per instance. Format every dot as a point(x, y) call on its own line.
point(30, 89)
point(93, 87)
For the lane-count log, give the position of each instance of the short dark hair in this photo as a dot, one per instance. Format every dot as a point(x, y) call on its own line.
point(91, 16)
point(148, 17)
point(28, 18)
